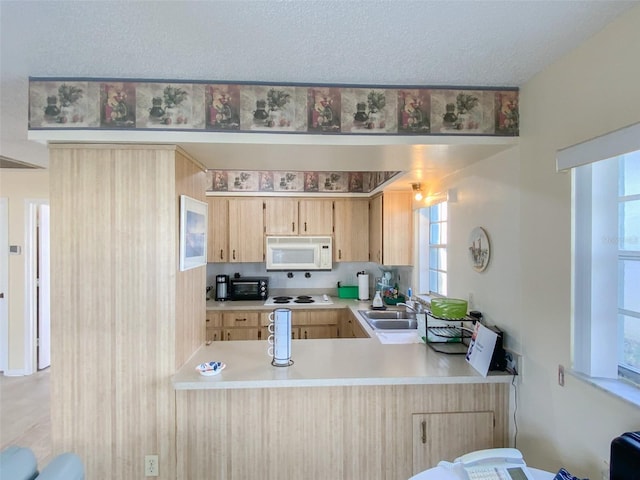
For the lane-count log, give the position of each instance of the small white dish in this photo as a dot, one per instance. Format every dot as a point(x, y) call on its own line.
point(209, 369)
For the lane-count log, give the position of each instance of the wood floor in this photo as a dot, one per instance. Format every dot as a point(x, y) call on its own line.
point(25, 416)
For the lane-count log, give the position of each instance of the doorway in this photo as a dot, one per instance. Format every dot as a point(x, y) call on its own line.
point(37, 297)
point(4, 284)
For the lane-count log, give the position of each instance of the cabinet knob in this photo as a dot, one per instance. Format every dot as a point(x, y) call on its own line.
point(221, 255)
point(305, 226)
point(423, 429)
point(234, 254)
point(293, 226)
point(339, 253)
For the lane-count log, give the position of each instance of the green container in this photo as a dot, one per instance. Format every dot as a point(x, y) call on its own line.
point(348, 291)
point(449, 308)
point(394, 301)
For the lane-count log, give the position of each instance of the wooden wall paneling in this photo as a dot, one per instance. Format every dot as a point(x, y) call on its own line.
point(191, 285)
point(114, 264)
point(82, 376)
point(317, 433)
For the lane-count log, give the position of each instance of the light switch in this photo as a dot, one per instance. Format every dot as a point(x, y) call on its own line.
point(15, 249)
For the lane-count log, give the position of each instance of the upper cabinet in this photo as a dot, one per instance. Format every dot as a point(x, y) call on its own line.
point(218, 234)
point(379, 229)
point(281, 216)
point(316, 217)
point(246, 230)
point(295, 216)
point(391, 228)
point(351, 230)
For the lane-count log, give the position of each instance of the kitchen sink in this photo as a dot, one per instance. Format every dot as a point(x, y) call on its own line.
point(389, 319)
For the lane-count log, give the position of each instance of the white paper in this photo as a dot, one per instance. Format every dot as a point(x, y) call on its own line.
point(481, 348)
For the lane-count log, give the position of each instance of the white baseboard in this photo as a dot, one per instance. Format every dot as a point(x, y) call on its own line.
point(14, 373)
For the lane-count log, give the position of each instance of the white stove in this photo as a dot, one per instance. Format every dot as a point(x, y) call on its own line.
point(302, 300)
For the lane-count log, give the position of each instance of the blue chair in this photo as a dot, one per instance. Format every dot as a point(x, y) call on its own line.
point(18, 463)
point(66, 466)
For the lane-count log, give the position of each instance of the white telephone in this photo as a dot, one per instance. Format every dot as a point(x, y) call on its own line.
point(491, 464)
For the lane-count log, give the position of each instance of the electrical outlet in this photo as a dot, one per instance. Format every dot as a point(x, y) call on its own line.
point(151, 465)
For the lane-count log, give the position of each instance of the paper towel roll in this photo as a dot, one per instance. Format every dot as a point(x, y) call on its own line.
point(363, 287)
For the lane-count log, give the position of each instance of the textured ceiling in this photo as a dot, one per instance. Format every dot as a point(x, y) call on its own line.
point(388, 42)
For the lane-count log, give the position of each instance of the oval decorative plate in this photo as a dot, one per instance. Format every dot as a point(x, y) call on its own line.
point(479, 249)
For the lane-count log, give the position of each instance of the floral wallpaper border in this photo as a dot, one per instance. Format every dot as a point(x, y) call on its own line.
point(235, 181)
point(111, 104)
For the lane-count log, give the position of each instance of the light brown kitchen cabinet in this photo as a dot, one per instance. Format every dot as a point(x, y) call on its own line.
point(218, 231)
point(213, 326)
point(307, 324)
point(246, 230)
point(349, 326)
point(281, 216)
point(241, 325)
point(351, 230)
point(391, 228)
point(315, 217)
point(446, 436)
point(242, 334)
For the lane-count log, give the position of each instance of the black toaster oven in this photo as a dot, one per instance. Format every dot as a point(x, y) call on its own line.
point(249, 288)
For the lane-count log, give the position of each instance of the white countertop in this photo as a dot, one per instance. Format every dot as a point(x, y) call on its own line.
point(328, 362)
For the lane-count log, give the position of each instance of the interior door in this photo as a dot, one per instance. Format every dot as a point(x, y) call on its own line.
point(44, 325)
point(4, 282)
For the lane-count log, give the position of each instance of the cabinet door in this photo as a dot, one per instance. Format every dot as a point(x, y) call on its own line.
point(242, 334)
point(281, 216)
point(375, 229)
point(397, 228)
point(214, 319)
point(446, 436)
point(318, 331)
point(218, 231)
point(246, 230)
point(351, 230)
point(316, 217)
point(214, 334)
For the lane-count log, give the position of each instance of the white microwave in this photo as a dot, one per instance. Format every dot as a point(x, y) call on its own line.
point(299, 253)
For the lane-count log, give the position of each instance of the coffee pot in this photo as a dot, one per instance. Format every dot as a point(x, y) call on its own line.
point(222, 288)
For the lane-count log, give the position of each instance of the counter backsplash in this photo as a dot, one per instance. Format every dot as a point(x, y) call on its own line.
point(344, 272)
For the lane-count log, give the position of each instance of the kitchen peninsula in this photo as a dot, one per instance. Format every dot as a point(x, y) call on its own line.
point(347, 408)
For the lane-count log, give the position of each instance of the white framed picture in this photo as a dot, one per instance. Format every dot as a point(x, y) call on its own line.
point(193, 233)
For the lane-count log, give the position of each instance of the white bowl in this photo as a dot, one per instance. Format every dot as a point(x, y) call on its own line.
point(209, 369)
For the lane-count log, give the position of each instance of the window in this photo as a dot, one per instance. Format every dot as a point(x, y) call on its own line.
point(433, 249)
point(629, 266)
point(606, 263)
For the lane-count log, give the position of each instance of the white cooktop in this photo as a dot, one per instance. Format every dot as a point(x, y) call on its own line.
point(301, 300)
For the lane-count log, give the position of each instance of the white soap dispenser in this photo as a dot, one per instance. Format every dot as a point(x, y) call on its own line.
point(377, 300)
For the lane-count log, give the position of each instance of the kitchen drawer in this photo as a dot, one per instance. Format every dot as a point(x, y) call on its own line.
point(240, 319)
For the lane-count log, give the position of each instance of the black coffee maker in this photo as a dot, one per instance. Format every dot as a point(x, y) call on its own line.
point(222, 288)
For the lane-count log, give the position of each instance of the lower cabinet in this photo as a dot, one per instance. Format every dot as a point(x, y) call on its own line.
point(349, 326)
point(214, 326)
point(341, 432)
point(305, 324)
point(446, 436)
point(241, 325)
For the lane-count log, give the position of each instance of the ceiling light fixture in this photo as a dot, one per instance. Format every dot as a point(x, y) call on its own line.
point(417, 189)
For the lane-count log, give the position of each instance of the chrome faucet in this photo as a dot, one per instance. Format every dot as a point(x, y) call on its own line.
point(415, 309)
